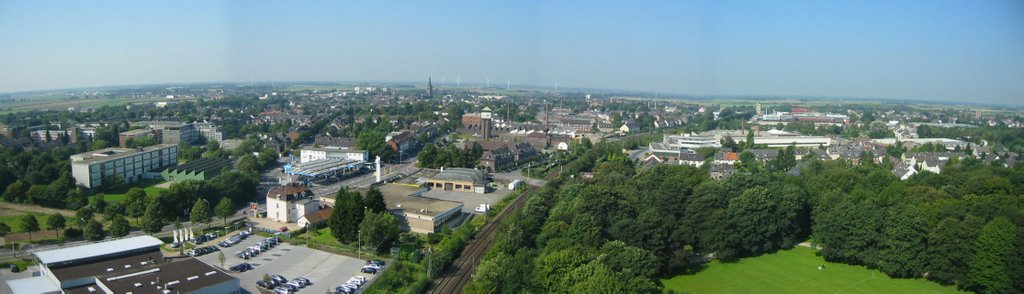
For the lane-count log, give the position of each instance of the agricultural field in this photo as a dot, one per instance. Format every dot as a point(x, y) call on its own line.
point(794, 271)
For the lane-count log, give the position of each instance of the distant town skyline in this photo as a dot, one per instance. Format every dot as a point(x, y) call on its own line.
point(952, 51)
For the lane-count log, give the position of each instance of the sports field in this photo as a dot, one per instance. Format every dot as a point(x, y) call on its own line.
point(795, 271)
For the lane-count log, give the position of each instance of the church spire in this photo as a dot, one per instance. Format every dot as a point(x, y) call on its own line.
point(430, 87)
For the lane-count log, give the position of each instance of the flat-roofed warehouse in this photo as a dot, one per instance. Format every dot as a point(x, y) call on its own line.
point(129, 265)
point(458, 179)
point(200, 169)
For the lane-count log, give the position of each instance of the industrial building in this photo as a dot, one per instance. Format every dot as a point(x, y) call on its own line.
point(771, 138)
point(200, 169)
point(131, 164)
point(308, 154)
point(209, 131)
point(458, 179)
point(123, 137)
point(129, 265)
point(173, 132)
point(416, 213)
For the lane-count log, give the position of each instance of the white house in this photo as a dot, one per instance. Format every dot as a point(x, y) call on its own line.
point(290, 202)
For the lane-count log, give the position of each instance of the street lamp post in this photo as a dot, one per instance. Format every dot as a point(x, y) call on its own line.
point(359, 238)
point(208, 209)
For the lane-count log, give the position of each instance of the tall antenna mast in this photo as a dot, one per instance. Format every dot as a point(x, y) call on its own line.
point(442, 82)
point(488, 82)
point(508, 85)
point(458, 82)
point(556, 86)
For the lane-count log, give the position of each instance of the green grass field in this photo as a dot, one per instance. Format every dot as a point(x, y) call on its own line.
point(795, 271)
point(119, 195)
point(14, 221)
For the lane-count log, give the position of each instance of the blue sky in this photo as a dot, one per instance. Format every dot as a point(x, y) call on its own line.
point(971, 51)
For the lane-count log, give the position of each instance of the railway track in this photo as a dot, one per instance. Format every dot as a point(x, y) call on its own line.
point(462, 268)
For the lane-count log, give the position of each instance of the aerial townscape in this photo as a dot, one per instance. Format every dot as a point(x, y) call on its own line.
point(282, 176)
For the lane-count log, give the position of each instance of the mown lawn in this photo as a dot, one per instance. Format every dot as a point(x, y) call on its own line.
point(120, 194)
point(13, 220)
point(794, 271)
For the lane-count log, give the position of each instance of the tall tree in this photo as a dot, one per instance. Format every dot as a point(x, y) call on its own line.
point(119, 227)
point(98, 203)
point(347, 215)
point(135, 202)
point(84, 214)
point(379, 230)
point(904, 242)
point(989, 271)
point(4, 229)
point(200, 212)
point(949, 252)
point(374, 201)
point(749, 142)
point(225, 209)
point(93, 230)
point(29, 224)
point(55, 222)
point(153, 219)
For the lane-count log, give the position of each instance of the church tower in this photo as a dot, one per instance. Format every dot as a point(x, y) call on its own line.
point(430, 88)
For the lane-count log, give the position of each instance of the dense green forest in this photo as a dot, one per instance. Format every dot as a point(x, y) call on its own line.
point(628, 226)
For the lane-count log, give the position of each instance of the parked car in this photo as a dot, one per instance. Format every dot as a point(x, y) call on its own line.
point(278, 278)
point(304, 281)
point(242, 267)
point(282, 290)
point(369, 270)
point(292, 287)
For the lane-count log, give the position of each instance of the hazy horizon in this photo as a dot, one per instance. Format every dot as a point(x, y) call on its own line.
point(949, 51)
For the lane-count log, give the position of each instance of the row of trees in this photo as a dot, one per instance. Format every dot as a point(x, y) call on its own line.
point(435, 157)
point(358, 217)
point(627, 227)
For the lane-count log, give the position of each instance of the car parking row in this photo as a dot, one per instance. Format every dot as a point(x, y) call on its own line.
point(237, 238)
point(255, 250)
point(372, 266)
point(279, 284)
point(200, 251)
point(350, 286)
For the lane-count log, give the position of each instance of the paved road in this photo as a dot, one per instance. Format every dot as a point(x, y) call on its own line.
point(167, 232)
point(517, 175)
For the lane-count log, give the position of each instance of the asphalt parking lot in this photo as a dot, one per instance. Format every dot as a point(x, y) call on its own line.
point(325, 270)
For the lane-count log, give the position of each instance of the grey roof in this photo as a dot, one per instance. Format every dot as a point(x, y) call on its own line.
point(38, 284)
point(97, 249)
point(902, 169)
point(475, 176)
point(765, 154)
point(211, 165)
point(723, 168)
point(323, 166)
point(691, 157)
point(112, 153)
